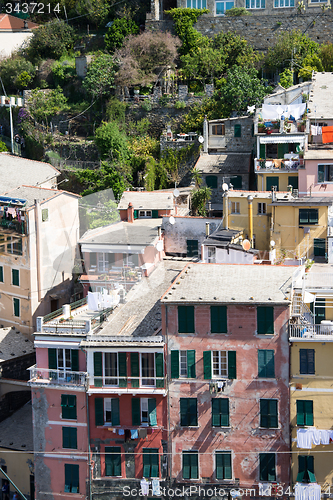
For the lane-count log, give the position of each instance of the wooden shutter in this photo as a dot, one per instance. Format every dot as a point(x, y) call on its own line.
point(68, 478)
point(136, 214)
point(273, 413)
point(115, 417)
point(191, 364)
point(216, 417)
point(271, 474)
point(152, 411)
point(99, 411)
point(74, 360)
point(98, 370)
point(300, 416)
point(218, 319)
point(308, 412)
point(122, 367)
point(174, 364)
point(301, 468)
point(186, 319)
point(264, 413)
point(261, 363)
point(146, 462)
point(270, 368)
point(224, 412)
point(52, 353)
point(194, 465)
point(1, 271)
point(16, 307)
point(238, 130)
point(184, 416)
point(207, 361)
point(159, 367)
point(112, 461)
point(311, 361)
point(223, 465)
point(265, 320)
point(154, 214)
point(154, 463)
point(136, 412)
point(135, 369)
point(193, 411)
point(186, 465)
point(65, 437)
point(310, 468)
point(262, 151)
point(232, 373)
point(16, 277)
point(321, 173)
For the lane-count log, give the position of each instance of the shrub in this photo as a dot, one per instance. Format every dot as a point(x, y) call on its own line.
point(50, 40)
point(146, 105)
point(238, 11)
point(180, 104)
point(16, 73)
point(117, 33)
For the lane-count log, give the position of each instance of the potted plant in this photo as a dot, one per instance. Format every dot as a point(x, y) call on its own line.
point(261, 128)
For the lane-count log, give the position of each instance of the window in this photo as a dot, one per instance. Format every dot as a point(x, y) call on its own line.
point(105, 261)
point(186, 319)
point(269, 413)
point(16, 304)
point(148, 366)
point(218, 319)
point(267, 467)
point(221, 7)
point(212, 255)
point(15, 277)
point(192, 248)
point(145, 214)
point(237, 181)
point(68, 407)
point(266, 367)
point(211, 181)
point(238, 130)
point(144, 411)
point(183, 364)
point(272, 182)
point(265, 320)
point(110, 368)
point(262, 208)
point(150, 462)
point(219, 364)
point(71, 478)
point(14, 245)
point(190, 465)
point(325, 173)
point(107, 411)
point(218, 129)
point(220, 412)
point(223, 465)
point(188, 412)
point(66, 361)
point(69, 437)
point(45, 214)
point(293, 181)
point(255, 4)
point(307, 361)
point(284, 3)
point(235, 207)
point(306, 469)
point(112, 461)
point(1, 274)
point(304, 410)
point(308, 216)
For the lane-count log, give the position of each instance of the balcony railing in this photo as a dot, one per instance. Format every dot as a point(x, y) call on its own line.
point(127, 384)
point(311, 332)
point(13, 225)
point(44, 377)
point(270, 165)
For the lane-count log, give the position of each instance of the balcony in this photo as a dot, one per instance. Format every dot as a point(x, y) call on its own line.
point(280, 127)
point(278, 165)
point(8, 226)
point(127, 385)
point(311, 333)
point(122, 275)
point(43, 377)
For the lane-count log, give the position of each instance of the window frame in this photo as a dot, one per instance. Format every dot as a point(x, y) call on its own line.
point(264, 459)
point(284, 6)
point(249, 7)
point(66, 398)
point(271, 414)
point(220, 362)
point(311, 212)
point(188, 415)
point(70, 488)
point(223, 466)
point(71, 437)
point(306, 370)
point(15, 277)
point(235, 207)
point(226, 8)
point(16, 307)
point(262, 208)
point(216, 128)
point(191, 453)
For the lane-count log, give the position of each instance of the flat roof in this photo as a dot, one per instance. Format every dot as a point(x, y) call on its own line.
point(319, 154)
point(306, 201)
point(147, 200)
point(13, 344)
point(238, 193)
point(231, 284)
point(233, 163)
point(320, 104)
point(139, 232)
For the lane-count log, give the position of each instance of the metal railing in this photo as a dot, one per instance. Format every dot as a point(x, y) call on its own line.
point(79, 303)
point(61, 377)
point(128, 382)
point(277, 164)
point(101, 316)
point(52, 315)
point(308, 332)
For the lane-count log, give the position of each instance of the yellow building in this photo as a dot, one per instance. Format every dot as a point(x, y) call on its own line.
point(311, 378)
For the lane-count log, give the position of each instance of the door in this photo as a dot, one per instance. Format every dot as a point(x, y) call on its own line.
point(192, 248)
point(272, 181)
point(319, 247)
point(293, 181)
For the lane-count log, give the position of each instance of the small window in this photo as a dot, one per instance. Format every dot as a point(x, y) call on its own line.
point(238, 130)
point(272, 182)
point(306, 469)
point(188, 412)
point(269, 413)
point(68, 407)
point(308, 216)
point(220, 412)
point(71, 478)
point(267, 470)
point(223, 465)
point(237, 181)
point(255, 4)
point(16, 277)
point(262, 208)
point(69, 437)
point(186, 319)
point(112, 461)
point(150, 462)
point(307, 361)
point(219, 364)
point(211, 181)
point(16, 304)
point(265, 320)
point(218, 319)
point(235, 207)
point(192, 248)
point(183, 364)
point(266, 367)
point(218, 129)
point(1, 274)
point(144, 411)
point(190, 465)
point(284, 3)
point(111, 411)
point(45, 214)
point(304, 412)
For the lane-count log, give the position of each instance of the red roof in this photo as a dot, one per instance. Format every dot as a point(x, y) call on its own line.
point(10, 23)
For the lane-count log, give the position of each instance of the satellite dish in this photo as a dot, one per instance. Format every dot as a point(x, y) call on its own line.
point(172, 220)
point(176, 193)
point(201, 139)
point(225, 186)
point(246, 245)
point(272, 243)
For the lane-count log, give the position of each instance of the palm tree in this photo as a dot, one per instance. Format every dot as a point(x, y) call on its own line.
point(196, 176)
point(199, 199)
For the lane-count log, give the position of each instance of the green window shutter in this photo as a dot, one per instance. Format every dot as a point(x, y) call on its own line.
point(227, 466)
point(146, 463)
point(262, 151)
point(273, 414)
point(193, 411)
point(265, 320)
point(194, 465)
point(135, 369)
point(52, 353)
point(68, 406)
point(216, 417)
point(310, 468)
point(152, 411)
point(293, 181)
point(261, 363)
point(154, 462)
point(74, 360)
point(136, 412)
point(207, 361)
point(271, 476)
point(238, 130)
point(154, 214)
point(224, 412)
point(115, 416)
point(219, 465)
point(16, 307)
point(122, 369)
point(308, 411)
point(218, 319)
point(16, 277)
point(300, 415)
point(1, 274)
point(321, 173)
point(313, 216)
point(136, 214)
point(159, 367)
point(112, 461)
point(184, 420)
point(301, 468)
point(174, 364)
point(65, 437)
point(191, 364)
point(264, 413)
point(186, 319)
point(98, 370)
point(68, 478)
point(69, 437)
point(99, 411)
point(232, 374)
point(270, 368)
point(272, 181)
point(223, 465)
point(186, 465)
point(211, 181)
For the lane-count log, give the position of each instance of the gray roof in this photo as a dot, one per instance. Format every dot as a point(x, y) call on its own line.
point(13, 344)
point(233, 163)
point(319, 154)
point(139, 232)
point(307, 201)
point(320, 104)
point(15, 171)
point(16, 430)
point(220, 120)
point(223, 283)
point(141, 315)
point(32, 193)
point(147, 200)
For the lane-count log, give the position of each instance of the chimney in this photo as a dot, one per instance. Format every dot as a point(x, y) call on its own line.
point(207, 228)
point(25, 25)
point(130, 213)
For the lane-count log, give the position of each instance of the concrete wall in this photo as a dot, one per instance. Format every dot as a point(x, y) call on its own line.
point(185, 228)
point(18, 468)
point(229, 142)
point(16, 368)
point(283, 179)
point(308, 179)
point(231, 256)
point(9, 42)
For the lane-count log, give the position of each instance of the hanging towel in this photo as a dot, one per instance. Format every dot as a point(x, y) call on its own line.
point(316, 436)
point(142, 433)
point(304, 438)
point(327, 134)
point(307, 491)
point(121, 432)
point(144, 487)
point(134, 434)
point(325, 437)
point(314, 130)
point(156, 487)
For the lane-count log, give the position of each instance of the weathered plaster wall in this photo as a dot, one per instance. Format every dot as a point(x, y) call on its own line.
point(186, 228)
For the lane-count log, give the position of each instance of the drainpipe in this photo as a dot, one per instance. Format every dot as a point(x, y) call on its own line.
point(226, 210)
point(38, 251)
point(250, 211)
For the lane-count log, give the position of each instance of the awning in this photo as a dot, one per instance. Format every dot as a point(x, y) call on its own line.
point(283, 139)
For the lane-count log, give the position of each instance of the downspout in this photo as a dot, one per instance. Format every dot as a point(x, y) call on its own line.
point(38, 251)
point(225, 210)
point(250, 212)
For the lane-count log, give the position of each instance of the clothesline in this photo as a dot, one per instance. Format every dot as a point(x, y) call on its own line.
point(309, 436)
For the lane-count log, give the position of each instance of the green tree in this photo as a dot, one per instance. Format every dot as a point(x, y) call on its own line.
point(199, 199)
point(43, 104)
point(196, 177)
point(310, 63)
point(184, 19)
point(117, 33)
point(286, 78)
point(16, 73)
point(112, 142)
point(236, 50)
point(326, 56)
point(3, 147)
point(96, 11)
point(100, 76)
point(63, 72)
point(106, 177)
point(50, 41)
